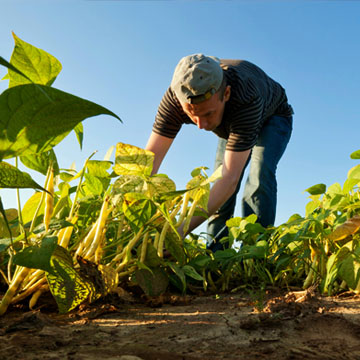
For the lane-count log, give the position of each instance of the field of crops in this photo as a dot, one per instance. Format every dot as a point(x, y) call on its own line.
point(112, 226)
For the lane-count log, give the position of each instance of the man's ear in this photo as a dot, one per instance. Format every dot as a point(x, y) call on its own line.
point(227, 93)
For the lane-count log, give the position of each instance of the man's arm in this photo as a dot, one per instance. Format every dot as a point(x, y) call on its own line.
point(159, 145)
point(233, 165)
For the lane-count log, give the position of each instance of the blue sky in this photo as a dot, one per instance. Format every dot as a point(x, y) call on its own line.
point(121, 54)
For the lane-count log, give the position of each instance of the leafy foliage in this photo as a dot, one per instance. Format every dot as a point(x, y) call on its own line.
point(12, 177)
point(35, 118)
point(110, 225)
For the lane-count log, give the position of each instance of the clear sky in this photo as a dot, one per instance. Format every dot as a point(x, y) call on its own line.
point(121, 54)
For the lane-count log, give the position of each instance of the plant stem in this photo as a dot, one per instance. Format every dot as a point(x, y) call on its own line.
point(160, 248)
point(189, 216)
point(186, 199)
point(13, 288)
point(40, 203)
point(144, 247)
point(79, 185)
point(21, 224)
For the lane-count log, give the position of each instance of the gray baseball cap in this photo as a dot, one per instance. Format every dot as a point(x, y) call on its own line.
point(196, 78)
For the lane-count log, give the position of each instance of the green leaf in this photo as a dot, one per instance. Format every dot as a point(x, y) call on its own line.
point(334, 189)
point(200, 262)
point(11, 67)
point(349, 185)
point(128, 183)
point(55, 224)
point(4, 244)
point(355, 155)
point(253, 229)
point(37, 257)
point(191, 272)
point(234, 222)
point(138, 210)
point(35, 118)
point(349, 269)
point(175, 246)
point(195, 182)
point(67, 286)
point(98, 168)
point(132, 160)
point(251, 218)
point(199, 171)
point(153, 283)
point(316, 189)
point(354, 173)
point(311, 206)
point(38, 66)
point(225, 256)
point(64, 202)
point(11, 177)
point(66, 177)
point(152, 259)
point(179, 272)
point(6, 216)
point(93, 185)
point(41, 162)
point(170, 195)
point(28, 210)
point(159, 185)
point(79, 132)
point(216, 175)
point(243, 228)
point(331, 273)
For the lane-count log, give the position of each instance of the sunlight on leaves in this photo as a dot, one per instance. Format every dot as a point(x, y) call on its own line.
point(11, 178)
point(41, 162)
point(98, 168)
point(35, 118)
point(38, 65)
point(28, 210)
point(350, 227)
point(128, 183)
point(92, 185)
point(132, 160)
point(354, 173)
point(66, 285)
point(159, 185)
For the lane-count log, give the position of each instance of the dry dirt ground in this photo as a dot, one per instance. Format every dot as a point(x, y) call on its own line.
point(293, 325)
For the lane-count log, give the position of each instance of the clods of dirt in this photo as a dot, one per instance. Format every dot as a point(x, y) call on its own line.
point(291, 326)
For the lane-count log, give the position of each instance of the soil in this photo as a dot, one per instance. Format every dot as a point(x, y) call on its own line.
point(292, 325)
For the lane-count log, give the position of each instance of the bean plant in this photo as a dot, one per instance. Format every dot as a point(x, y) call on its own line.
point(83, 234)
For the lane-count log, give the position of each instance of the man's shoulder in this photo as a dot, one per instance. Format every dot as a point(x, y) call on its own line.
point(170, 99)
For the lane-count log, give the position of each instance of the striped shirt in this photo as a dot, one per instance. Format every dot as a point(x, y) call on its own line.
point(254, 98)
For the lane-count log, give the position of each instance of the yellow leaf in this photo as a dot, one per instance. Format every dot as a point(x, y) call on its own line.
point(132, 160)
point(349, 227)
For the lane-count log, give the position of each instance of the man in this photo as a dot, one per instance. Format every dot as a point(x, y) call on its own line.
point(250, 113)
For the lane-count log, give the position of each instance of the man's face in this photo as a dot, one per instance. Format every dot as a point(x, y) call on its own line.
point(208, 114)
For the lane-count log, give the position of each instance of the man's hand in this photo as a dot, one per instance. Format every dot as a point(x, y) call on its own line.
point(233, 165)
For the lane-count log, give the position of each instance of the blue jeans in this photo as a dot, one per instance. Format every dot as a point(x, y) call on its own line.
point(260, 190)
